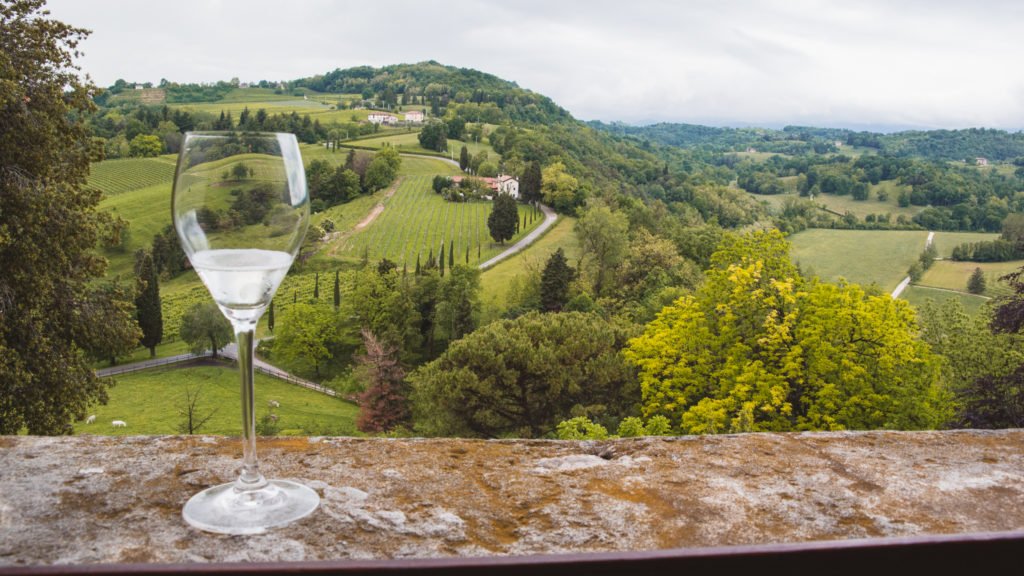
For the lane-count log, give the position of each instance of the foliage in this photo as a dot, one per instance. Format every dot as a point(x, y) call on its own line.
point(604, 243)
point(999, 250)
point(306, 332)
point(531, 183)
point(976, 283)
point(580, 428)
point(521, 377)
point(48, 229)
point(978, 365)
point(205, 328)
point(555, 280)
point(383, 406)
point(382, 169)
point(459, 301)
point(759, 349)
point(433, 136)
point(103, 314)
point(503, 217)
point(147, 304)
point(560, 189)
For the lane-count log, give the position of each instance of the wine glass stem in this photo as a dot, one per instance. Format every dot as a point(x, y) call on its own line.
point(250, 478)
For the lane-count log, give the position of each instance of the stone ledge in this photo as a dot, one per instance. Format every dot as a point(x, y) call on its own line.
point(92, 499)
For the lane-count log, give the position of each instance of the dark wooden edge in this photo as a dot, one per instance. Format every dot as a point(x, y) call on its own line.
point(949, 554)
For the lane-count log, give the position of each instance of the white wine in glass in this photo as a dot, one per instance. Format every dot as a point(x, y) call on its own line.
point(241, 209)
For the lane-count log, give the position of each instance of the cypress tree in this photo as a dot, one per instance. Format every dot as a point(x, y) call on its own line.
point(554, 282)
point(417, 263)
point(337, 290)
point(295, 297)
point(451, 254)
point(464, 159)
point(976, 283)
point(316, 287)
point(467, 254)
point(270, 317)
point(530, 183)
point(440, 263)
point(147, 304)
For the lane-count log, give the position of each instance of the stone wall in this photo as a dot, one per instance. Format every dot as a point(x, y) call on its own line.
point(92, 499)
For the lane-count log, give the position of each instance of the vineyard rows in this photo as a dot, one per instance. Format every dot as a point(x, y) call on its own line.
point(113, 177)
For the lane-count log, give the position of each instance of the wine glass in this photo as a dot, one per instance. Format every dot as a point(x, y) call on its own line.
point(241, 210)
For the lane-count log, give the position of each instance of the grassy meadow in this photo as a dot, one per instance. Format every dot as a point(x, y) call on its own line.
point(952, 275)
point(150, 403)
point(496, 281)
point(918, 295)
point(409, 142)
point(860, 256)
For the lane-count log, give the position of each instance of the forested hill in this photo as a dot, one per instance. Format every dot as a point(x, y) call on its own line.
point(438, 86)
point(971, 143)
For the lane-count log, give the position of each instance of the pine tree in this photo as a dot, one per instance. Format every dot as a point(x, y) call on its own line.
point(147, 303)
point(554, 283)
point(316, 287)
point(976, 283)
point(337, 290)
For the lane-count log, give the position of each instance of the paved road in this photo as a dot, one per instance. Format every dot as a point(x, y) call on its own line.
point(906, 281)
point(549, 220)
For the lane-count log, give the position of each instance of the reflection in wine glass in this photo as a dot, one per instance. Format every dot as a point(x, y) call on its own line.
point(241, 210)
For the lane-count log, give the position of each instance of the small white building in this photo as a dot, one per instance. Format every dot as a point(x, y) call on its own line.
point(508, 185)
point(981, 161)
point(414, 116)
point(382, 118)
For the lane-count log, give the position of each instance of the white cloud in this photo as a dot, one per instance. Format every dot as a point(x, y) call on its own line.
point(929, 64)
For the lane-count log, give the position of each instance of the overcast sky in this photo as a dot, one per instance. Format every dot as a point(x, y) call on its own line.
point(851, 63)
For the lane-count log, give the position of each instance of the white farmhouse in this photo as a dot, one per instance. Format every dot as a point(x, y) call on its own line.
point(508, 185)
point(414, 116)
point(382, 118)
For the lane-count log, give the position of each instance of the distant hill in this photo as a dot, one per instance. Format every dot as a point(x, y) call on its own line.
point(971, 143)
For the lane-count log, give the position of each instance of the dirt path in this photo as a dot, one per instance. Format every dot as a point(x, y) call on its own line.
point(337, 239)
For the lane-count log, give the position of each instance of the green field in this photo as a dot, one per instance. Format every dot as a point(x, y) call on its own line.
point(113, 177)
point(409, 142)
point(495, 281)
point(860, 256)
point(844, 204)
point(946, 241)
point(417, 221)
point(150, 401)
point(918, 295)
point(953, 275)
point(318, 106)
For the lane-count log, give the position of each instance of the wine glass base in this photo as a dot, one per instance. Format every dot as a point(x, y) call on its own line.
point(225, 510)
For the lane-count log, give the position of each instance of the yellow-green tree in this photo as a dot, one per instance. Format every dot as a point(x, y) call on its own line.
point(758, 348)
point(559, 188)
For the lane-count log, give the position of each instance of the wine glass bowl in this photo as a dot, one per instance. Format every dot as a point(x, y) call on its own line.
point(241, 209)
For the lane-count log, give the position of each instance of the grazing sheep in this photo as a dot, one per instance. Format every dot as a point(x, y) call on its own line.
point(119, 424)
point(274, 404)
point(90, 419)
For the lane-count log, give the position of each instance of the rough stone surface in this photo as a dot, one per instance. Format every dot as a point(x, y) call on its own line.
point(95, 499)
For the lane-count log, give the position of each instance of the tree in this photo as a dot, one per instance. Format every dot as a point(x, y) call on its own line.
point(109, 339)
point(604, 240)
point(433, 136)
point(522, 377)
point(459, 301)
point(530, 183)
point(192, 421)
point(560, 189)
point(337, 290)
point(382, 169)
point(49, 228)
point(503, 217)
point(204, 327)
point(976, 283)
point(383, 406)
point(464, 158)
point(555, 281)
point(270, 317)
point(757, 348)
point(145, 146)
point(147, 304)
point(316, 287)
point(308, 333)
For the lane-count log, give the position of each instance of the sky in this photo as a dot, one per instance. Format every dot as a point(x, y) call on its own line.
point(864, 64)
